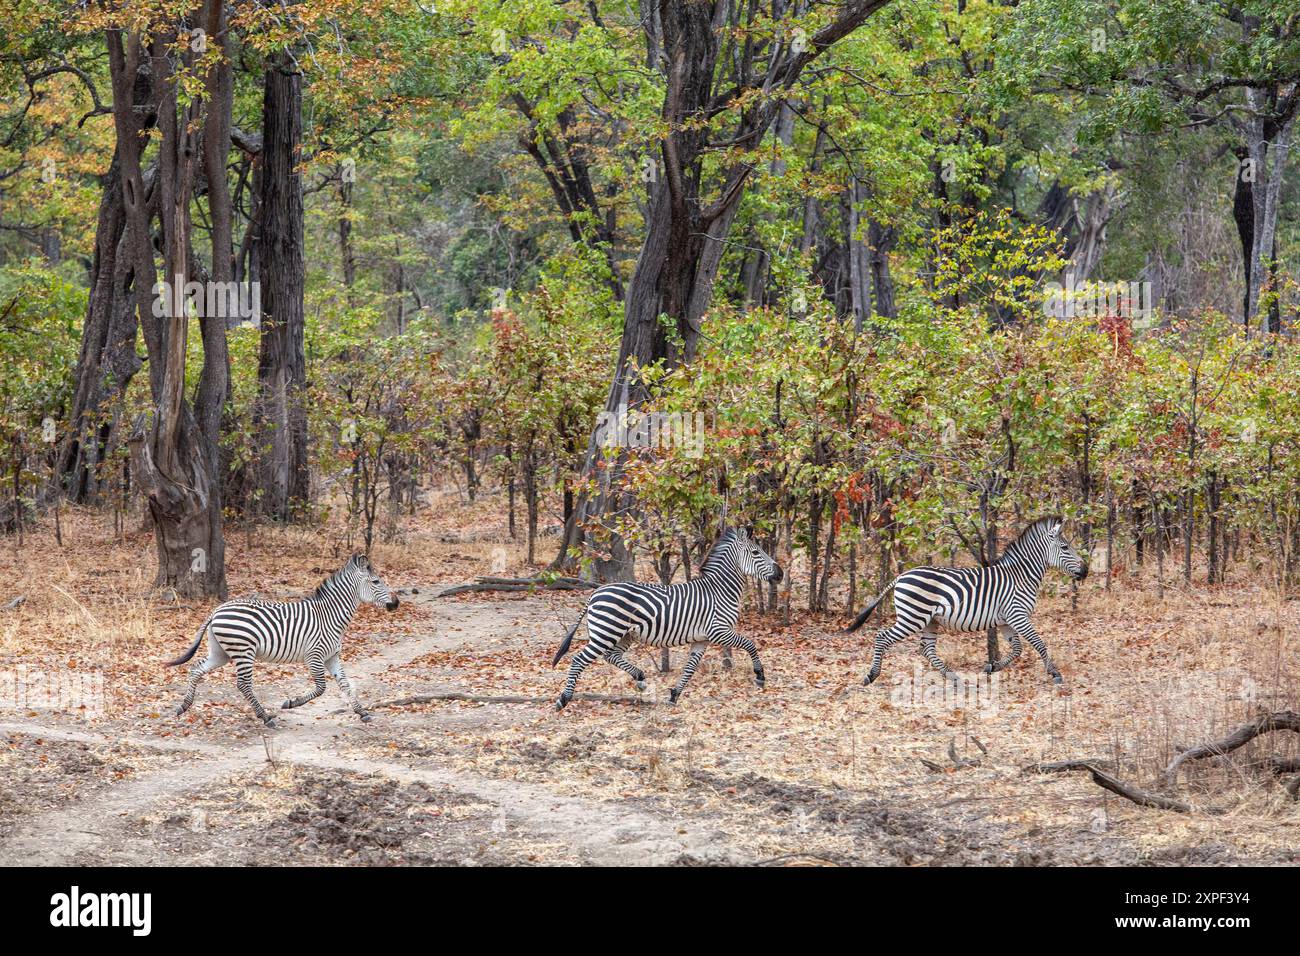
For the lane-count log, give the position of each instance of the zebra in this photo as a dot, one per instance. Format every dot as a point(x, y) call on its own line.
point(701, 612)
point(974, 599)
point(310, 630)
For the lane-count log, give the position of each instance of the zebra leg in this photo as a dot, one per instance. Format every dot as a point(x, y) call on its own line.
point(244, 681)
point(216, 658)
point(335, 666)
point(750, 648)
point(731, 639)
point(615, 656)
point(692, 662)
point(1011, 638)
point(596, 647)
point(315, 667)
point(928, 639)
point(886, 638)
point(1026, 630)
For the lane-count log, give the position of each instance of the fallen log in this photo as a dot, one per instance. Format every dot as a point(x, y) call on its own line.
point(1056, 766)
point(519, 584)
point(1142, 798)
point(1242, 735)
point(1281, 765)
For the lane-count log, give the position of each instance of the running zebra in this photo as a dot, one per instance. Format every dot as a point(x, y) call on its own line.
point(701, 612)
point(310, 630)
point(974, 599)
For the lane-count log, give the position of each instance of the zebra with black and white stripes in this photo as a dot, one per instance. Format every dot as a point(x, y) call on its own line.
point(975, 599)
point(700, 612)
point(309, 631)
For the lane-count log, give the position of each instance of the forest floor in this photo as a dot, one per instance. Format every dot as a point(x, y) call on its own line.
point(814, 769)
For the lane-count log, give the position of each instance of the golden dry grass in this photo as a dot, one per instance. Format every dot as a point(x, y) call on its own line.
point(772, 770)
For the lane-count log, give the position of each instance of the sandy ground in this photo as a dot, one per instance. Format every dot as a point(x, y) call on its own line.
point(814, 769)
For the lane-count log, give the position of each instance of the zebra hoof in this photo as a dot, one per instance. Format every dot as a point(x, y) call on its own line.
point(365, 718)
point(270, 722)
point(989, 668)
point(1058, 680)
point(760, 680)
point(640, 685)
point(869, 679)
point(179, 711)
point(673, 695)
point(559, 704)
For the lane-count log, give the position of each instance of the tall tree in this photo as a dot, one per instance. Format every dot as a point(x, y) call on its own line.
point(282, 368)
point(173, 458)
point(726, 72)
point(1157, 68)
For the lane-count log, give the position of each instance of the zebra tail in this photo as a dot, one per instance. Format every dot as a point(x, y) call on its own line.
point(189, 652)
point(568, 638)
point(862, 618)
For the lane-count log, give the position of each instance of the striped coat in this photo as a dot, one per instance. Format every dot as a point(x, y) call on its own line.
point(308, 631)
point(700, 612)
point(975, 599)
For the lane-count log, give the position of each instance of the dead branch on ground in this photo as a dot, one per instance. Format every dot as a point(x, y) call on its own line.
point(1142, 798)
point(519, 584)
point(1242, 735)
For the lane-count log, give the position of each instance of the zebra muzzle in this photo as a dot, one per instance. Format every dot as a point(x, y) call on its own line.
point(392, 605)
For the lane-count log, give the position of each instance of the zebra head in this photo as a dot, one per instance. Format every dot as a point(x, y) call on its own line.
point(751, 559)
point(371, 588)
point(1061, 556)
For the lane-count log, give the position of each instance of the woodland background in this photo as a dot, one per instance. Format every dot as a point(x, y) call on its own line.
point(830, 227)
point(833, 232)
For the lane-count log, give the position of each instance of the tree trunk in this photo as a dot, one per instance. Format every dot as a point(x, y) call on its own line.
point(1267, 145)
point(1243, 214)
point(214, 381)
point(282, 371)
point(1213, 500)
point(859, 257)
point(686, 231)
point(172, 458)
point(881, 240)
point(108, 359)
point(346, 251)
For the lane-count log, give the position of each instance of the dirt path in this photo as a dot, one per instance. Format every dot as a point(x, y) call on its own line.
point(812, 769)
point(96, 828)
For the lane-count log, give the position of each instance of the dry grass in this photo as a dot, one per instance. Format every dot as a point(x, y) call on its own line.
point(785, 771)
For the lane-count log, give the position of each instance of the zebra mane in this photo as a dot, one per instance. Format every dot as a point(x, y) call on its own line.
point(715, 554)
point(1016, 546)
point(328, 585)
